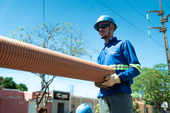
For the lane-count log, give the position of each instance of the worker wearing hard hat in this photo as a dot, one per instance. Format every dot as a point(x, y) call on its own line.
point(114, 95)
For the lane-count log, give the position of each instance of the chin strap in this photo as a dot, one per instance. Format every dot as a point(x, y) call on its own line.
point(108, 32)
point(109, 29)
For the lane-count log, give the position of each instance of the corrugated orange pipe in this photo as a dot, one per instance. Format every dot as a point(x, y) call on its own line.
point(23, 56)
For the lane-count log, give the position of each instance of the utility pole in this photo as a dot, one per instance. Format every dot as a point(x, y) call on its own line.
point(71, 89)
point(163, 29)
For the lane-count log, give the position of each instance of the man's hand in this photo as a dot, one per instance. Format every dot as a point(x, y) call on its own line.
point(98, 84)
point(111, 80)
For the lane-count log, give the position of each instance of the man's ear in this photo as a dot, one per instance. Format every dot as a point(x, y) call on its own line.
point(113, 27)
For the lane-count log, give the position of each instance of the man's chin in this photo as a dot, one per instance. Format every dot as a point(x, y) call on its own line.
point(103, 37)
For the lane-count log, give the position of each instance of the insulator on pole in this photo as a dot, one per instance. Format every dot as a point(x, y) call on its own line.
point(149, 33)
point(147, 16)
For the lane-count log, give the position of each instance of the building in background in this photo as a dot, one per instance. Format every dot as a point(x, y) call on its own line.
point(15, 101)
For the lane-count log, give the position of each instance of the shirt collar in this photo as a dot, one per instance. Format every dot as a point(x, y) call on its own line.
point(111, 40)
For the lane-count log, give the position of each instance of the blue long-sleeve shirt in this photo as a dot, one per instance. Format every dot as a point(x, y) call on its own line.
point(122, 57)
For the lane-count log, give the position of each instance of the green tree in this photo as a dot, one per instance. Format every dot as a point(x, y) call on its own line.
point(9, 83)
point(60, 37)
point(153, 85)
point(135, 98)
point(97, 108)
point(136, 107)
point(22, 87)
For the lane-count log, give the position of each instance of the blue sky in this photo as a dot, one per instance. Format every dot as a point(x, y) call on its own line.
point(130, 17)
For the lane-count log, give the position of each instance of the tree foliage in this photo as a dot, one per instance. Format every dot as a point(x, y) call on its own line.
point(135, 98)
point(22, 87)
point(136, 107)
point(60, 37)
point(10, 84)
point(153, 85)
point(97, 109)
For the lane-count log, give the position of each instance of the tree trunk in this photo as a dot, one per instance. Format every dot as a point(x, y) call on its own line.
point(159, 109)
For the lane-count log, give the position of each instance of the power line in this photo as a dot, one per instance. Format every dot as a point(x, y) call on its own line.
point(80, 85)
point(130, 23)
point(44, 11)
point(76, 80)
point(138, 12)
point(141, 13)
point(166, 4)
point(169, 7)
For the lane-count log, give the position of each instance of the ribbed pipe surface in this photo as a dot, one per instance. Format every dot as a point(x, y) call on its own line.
point(23, 56)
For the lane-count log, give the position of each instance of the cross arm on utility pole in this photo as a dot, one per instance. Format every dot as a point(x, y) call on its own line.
point(152, 11)
point(157, 11)
point(154, 27)
point(160, 29)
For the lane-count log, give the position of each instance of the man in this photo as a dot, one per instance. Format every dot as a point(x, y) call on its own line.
point(114, 95)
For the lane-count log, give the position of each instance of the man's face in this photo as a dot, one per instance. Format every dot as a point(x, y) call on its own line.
point(103, 28)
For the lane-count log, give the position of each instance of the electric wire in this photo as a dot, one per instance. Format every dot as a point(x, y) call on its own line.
point(138, 12)
point(166, 3)
point(141, 13)
point(79, 82)
point(169, 7)
point(80, 85)
point(130, 23)
point(44, 11)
